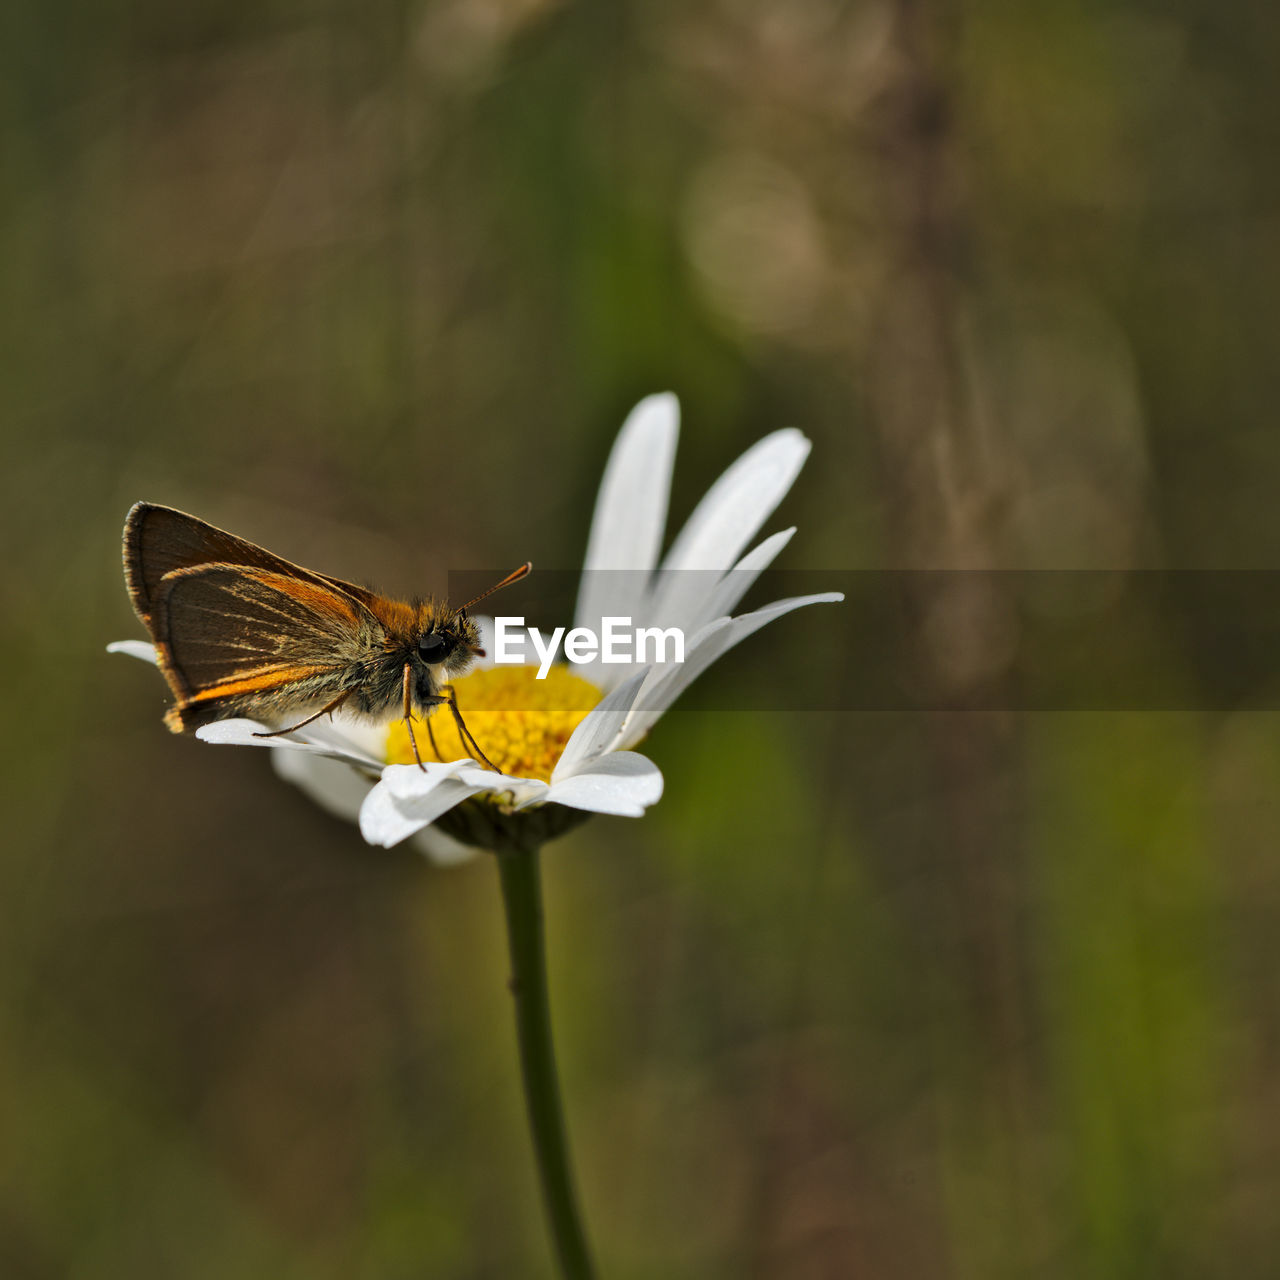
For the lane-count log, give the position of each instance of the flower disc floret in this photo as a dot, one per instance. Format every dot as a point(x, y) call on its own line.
point(522, 723)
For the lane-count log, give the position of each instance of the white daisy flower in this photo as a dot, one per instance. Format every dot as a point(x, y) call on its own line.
point(564, 742)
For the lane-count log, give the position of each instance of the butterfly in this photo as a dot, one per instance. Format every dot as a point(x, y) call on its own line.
point(240, 632)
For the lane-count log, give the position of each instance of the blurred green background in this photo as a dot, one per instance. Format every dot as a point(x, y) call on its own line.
point(960, 994)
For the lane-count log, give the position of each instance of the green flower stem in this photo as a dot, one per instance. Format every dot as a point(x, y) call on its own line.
point(522, 898)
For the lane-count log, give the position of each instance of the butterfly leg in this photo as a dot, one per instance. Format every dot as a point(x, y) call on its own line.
point(408, 715)
point(448, 698)
point(463, 732)
point(333, 706)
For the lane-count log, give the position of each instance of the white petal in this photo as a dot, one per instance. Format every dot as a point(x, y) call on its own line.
point(630, 514)
point(135, 649)
point(740, 579)
point(713, 642)
point(243, 733)
point(624, 783)
point(332, 784)
point(386, 819)
point(406, 782)
point(643, 714)
point(341, 790)
point(350, 733)
point(597, 729)
point(723, 523)
point(519, 792)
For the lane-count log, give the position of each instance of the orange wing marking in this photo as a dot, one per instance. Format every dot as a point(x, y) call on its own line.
point(274, 679)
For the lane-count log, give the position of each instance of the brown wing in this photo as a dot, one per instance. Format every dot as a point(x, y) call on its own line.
point(230, 632)
point(158, 540)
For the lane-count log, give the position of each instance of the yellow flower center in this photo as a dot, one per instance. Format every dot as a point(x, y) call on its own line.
point(520, 722)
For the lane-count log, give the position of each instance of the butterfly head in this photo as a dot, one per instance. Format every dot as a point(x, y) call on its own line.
point(449, 643)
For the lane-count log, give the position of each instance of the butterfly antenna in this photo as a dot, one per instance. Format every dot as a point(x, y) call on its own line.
point(514, 576)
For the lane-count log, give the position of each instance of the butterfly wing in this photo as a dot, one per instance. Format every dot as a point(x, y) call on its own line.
point(249, 640)
point(159, 540)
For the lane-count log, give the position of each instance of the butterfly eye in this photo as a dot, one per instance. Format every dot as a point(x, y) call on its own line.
point(434, 647)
